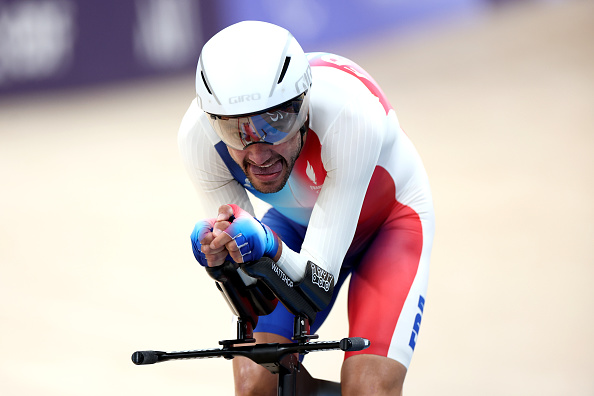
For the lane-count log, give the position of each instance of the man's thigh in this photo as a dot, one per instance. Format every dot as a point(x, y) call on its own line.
point(388, 287)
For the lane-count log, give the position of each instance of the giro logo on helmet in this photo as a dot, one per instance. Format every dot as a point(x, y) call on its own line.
point(304, 81)
point(244, 98)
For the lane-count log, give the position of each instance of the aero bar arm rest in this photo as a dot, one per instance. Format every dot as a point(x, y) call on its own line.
point(247, 302)
point(307, 297)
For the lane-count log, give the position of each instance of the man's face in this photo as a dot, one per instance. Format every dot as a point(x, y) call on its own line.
point(267, 166)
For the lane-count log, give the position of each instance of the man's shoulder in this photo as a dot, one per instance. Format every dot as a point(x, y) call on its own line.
point(339, 66)
point(338, 98)
point(195, 126)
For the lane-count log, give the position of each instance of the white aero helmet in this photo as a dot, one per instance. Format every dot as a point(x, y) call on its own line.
point(253, 80)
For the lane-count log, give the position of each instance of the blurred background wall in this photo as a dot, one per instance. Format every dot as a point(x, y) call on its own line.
point(49, 44)
point(96, 208)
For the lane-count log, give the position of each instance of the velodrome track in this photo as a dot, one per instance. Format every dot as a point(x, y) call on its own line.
point(96, 212)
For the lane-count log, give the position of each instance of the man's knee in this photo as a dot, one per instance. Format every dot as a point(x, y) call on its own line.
point(372, 375)
point(253, 379)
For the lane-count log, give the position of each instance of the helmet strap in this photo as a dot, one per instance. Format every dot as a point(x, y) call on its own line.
point(303, 130)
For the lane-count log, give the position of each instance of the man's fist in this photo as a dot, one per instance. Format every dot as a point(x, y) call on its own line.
point(245, 238)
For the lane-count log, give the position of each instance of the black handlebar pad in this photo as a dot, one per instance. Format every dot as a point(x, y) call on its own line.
point(306, 298)
point(317, 286)
point(247, 302)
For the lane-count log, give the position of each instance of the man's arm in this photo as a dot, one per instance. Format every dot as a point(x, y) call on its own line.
point(350, 151)
point(209, 174)
point(211, 178)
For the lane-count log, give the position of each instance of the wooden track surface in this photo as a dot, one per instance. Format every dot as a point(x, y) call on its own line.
point(96, 212)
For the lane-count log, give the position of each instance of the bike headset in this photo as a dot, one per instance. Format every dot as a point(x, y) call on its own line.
point(253, 81)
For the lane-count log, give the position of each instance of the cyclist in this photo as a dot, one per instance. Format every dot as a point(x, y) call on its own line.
point(314, 136)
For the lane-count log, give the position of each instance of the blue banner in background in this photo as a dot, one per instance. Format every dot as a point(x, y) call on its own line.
point(319, 24)
point(46, 44)
point(58, 43)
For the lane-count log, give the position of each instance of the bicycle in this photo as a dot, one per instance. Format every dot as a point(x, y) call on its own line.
point(303, 299)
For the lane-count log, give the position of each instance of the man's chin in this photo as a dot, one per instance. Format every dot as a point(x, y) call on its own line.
point(268, 186)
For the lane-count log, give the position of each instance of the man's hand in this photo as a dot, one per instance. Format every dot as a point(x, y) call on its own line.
point(202, 236)
point(245, 238)
point(223, 220)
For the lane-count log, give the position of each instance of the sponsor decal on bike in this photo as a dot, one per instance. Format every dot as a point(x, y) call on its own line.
point(282, 275)
point(321, 277)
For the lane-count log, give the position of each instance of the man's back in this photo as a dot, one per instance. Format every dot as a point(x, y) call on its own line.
point(354, 140)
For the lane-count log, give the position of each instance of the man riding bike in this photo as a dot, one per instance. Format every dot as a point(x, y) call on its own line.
point(314, 136)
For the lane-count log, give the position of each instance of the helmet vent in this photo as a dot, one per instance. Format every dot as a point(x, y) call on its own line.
point(204, 81)
point(284, 71)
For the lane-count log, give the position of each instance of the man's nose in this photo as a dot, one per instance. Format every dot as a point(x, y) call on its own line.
point(258, 153)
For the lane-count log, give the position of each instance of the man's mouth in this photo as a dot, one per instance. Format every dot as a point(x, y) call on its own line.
point(268, 171)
